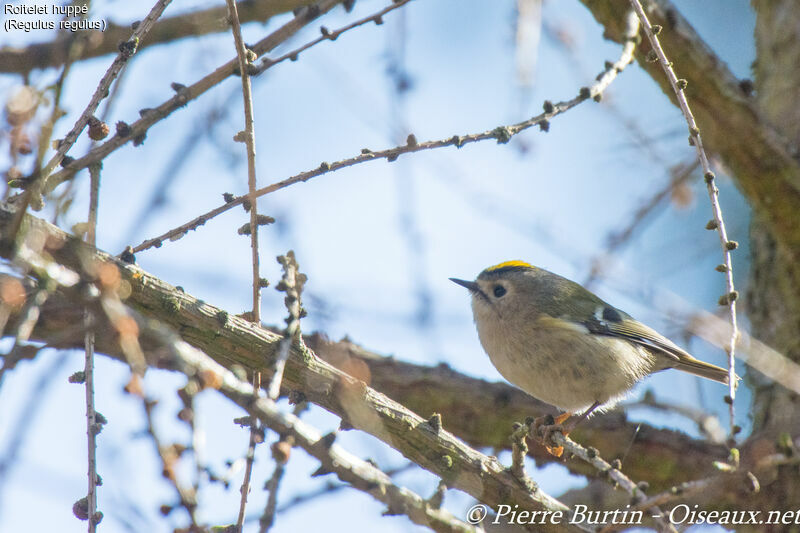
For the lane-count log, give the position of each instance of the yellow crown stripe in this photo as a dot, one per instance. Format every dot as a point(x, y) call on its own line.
point(509, 264)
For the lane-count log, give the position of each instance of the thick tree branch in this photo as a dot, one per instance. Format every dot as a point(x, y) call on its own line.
point(234, 341)
point(473, 408)
point(480, 412)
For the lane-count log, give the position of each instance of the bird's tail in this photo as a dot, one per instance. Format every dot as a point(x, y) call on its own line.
point(704, 370)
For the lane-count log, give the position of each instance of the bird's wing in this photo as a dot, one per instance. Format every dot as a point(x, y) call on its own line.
point(610, 321)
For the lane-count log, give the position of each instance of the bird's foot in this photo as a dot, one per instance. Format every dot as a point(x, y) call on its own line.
point(547, 439)
point(543, 428)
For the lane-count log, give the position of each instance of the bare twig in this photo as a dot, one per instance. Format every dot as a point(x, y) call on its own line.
point(281, 451)
point(292, 284)
point(501, 134)
point(169, 29)
point(88, 369)
point(250, 142)
point(690, 488)
point(519, 450)
point(255, 433)
point(329, 35)
point(137, 131)
point(614, 475)
point(729, 299)
point(31, 311)
point(126, 51)
point(268, 518)
point(91, 427)
point(169, 456)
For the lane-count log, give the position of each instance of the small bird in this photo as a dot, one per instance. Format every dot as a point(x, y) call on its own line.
point(565, 346)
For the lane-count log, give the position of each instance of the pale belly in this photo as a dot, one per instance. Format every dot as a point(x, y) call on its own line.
point(573, 370)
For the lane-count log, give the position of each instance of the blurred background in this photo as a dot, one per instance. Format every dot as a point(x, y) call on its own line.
point(378, 240)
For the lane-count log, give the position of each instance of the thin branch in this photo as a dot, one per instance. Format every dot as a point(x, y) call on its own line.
point(255, 433)
point(93, 515)
point(193, 24)
point(501, 134)
point(268, 517)
point(519, 450)
point(88, 369)
point(126, 51)
point(330, 488)
point(614, 475)
point(292, 284)
point(704, 485)
point(250, 142)
point(729, 299)
point(281, 451)
point(169, 456)
point(30, 312)
point(137, 131)
point(328, 35)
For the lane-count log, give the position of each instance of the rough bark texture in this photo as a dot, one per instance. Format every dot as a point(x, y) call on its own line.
point(774, 295)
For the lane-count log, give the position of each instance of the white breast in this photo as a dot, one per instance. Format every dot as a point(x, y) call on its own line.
point(572, 370)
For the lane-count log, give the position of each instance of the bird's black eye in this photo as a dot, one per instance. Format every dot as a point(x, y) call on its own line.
point(499, 291)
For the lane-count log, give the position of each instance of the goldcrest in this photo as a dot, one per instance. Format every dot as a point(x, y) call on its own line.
point(563, 345)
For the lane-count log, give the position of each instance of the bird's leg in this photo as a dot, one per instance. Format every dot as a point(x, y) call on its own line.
point(556, 425)
point(560, 419)
point(584, 416)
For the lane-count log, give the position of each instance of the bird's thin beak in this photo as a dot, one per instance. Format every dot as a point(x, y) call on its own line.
point(471, 285)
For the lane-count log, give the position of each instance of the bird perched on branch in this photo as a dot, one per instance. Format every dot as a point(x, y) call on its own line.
point(565, 346)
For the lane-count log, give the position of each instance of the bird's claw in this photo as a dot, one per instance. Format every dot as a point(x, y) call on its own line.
point(547, 439)
point(540, 422)
point(543, 428)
